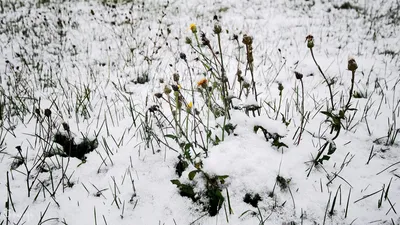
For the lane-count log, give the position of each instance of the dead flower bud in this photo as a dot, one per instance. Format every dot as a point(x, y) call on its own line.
point(188, 41)
point(167, 90)
point(298, 75)
point(182, 56)
point(280, 87)
point(217, 29)
point(175, 87)
point(310, 41)
point(47, 112)
point(246, 85)
point(153, 108)
point(352, 65)
point(158, 95)
point(175, 76)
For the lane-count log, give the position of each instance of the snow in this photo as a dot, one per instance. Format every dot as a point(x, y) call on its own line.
point(127, 180)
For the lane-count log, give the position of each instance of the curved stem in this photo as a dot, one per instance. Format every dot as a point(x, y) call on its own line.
point(351, 90)
point(326, 80)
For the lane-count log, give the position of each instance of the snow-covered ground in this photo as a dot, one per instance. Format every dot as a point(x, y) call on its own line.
point(97, 65)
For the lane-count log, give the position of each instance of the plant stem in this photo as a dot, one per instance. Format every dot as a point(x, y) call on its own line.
point(351, 90)
point(302, 112)
point(326, 79)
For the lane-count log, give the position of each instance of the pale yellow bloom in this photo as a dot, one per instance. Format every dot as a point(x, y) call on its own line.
point(189, 105)
point(193, 28)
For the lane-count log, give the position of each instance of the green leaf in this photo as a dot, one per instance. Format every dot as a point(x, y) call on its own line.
point(222, 178)
point(324, 158)
point(332, 148)
point(188, 146)
point(176, 182)
point(171, 136)
point(256, 128)
point(229, 128)
point(192, 174)
point(245, 212)
point(329, 114)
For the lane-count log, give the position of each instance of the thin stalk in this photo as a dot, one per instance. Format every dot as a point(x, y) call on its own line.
point(351, 89)
point(326, 79)
point(302, 112)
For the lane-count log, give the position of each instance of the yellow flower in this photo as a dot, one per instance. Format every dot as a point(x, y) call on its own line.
point(193, 28)
point(189, 105)
point(179, 86)
point(202, 83)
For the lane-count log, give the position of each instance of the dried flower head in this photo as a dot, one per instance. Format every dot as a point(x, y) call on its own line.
point(204, 39)
point(352, 64)
point(193, 28)
point(310, 41)
point(247, 40)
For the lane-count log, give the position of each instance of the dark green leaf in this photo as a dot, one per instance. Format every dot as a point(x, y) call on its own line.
point(192, 174)
point(171, 136)
point(176, 182)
